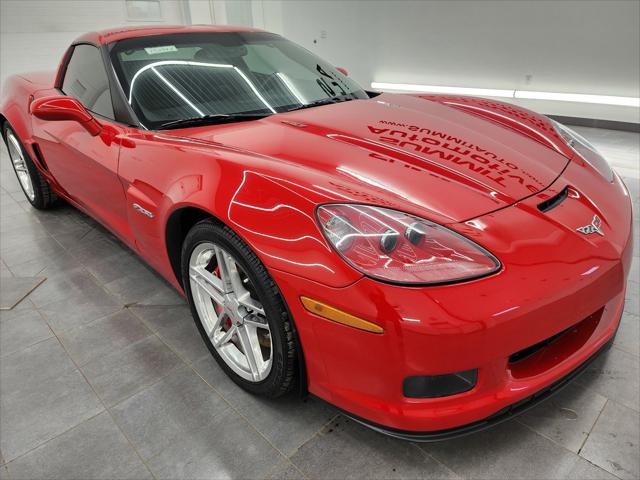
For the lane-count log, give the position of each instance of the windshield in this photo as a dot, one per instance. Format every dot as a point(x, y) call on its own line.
point(169, 78)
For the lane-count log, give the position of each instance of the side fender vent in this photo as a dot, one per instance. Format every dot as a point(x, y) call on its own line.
point(38, 153)
point(554, 201)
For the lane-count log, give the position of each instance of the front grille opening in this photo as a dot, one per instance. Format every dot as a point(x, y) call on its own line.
point(554, 201)
point(527, 352)
point(545, 355)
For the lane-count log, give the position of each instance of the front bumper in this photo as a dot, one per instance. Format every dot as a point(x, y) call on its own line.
point(553, 280)
point(502, 416)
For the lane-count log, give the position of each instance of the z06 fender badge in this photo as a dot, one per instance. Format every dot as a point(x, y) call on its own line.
point(594, 227)
point(141, 210)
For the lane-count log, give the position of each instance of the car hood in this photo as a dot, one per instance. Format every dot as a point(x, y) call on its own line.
point(423, 155)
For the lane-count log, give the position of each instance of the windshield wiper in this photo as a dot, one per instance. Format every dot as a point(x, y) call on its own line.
point(215, 119)
point(324, 101)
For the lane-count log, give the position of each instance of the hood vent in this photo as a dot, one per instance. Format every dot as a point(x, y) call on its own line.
point(554, 201)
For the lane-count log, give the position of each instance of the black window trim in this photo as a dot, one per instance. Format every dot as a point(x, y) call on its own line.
point(122, 111)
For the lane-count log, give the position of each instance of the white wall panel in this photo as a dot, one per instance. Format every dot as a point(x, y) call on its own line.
point(556, 46)
point(35, 33)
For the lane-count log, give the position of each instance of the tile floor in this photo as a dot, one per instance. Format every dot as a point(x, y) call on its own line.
point(103, 375)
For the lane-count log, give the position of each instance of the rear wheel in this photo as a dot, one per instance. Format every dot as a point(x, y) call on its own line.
point(238, 310)
point(33, 184)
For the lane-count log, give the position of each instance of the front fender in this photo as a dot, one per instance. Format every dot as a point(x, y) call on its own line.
point(261, 199)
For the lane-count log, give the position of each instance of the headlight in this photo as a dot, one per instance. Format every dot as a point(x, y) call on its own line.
point(400, 248)
point(584, 149)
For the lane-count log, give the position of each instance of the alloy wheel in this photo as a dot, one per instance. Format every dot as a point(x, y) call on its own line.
point(20, 166)
point(230, 312)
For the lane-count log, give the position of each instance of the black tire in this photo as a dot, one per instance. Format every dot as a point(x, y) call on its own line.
point(44, 196)
point(281, 379)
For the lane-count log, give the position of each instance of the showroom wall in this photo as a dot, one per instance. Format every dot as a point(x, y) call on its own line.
point(553, 46)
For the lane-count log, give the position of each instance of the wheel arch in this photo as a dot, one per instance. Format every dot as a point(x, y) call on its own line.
point(179, 222)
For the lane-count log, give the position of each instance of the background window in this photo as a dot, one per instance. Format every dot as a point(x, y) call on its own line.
point(144, 10)
point(86, 79)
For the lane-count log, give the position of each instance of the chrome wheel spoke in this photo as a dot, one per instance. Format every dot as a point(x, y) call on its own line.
point(210, 319)
point(251, 349)
point(223, 266)
point(225, 338)
point(209, 283)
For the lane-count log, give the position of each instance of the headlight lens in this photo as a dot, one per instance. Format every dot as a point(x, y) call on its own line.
point(583, 148)
point(400, 248)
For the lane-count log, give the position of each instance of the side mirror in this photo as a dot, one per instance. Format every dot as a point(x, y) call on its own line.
point(343, 71)
point(65, 108)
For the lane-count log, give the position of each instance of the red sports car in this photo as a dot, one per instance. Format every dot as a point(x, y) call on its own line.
point(430, 264)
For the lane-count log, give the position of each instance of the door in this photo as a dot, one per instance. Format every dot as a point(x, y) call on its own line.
point(86, 166)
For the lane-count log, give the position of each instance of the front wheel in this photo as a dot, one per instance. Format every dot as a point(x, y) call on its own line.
point(238, 310)
point(33, 184)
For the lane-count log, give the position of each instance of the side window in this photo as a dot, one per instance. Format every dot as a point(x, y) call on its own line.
point(86, 79)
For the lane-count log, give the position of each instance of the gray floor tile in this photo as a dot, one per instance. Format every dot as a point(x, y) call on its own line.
point(227, 447)
point(20, 329)
point(159, 318)
point(287, 422)
point(285, 470)
point(122, 373)
point(48, 266)
point(140, 472)
point(95, 449)
point(62, 218)
point(97, 339)
point(165, 294)
point(11, 223)
point(14, 289)
point(66, 286)
point(506, 451)
point(213, 374)
point(567, 417)
point(32, 365)
point(168, 412)
point(346, 449)
point(79, 310)
point(134, 287)
point(70, 233)
point(614, 443)
point(42, 395)
point(628, 337)
point(97, 246)
point(632, 302)
point(112, 268)
point(17, 238)
point(176, 328)
point(4, 270)
point(584, 470)
point(634, 273)
point(29, 250)
point(10, 208)
point(615, 374)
